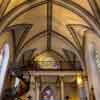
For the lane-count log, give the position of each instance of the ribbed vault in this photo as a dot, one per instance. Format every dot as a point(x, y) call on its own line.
point(56, 31)
point(44, 25)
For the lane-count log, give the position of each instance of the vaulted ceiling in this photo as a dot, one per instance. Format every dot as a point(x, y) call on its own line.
point(60, 26)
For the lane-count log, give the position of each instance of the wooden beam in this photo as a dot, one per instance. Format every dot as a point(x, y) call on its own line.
point(14, 44)
point(49, 23)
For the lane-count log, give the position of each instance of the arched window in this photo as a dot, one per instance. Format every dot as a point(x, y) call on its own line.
point(97, 59)
point(4, 57)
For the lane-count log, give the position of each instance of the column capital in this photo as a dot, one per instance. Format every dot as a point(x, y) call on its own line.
point(85, 78)
point(61, 78)
point(62, 87)
point(37, 79)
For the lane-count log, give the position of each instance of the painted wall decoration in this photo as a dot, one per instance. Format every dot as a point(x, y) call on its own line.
point(47, 94)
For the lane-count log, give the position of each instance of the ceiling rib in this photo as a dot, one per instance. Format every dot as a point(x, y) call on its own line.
point(67, 52)
point(44, 32)
point(3, 6)
point(66, 39)
point(74, 35)
point(95, 8)
point(59, 54)
point(34, 37)
point(24, 35)
point(83, 13)
point(14, 43)
point(18, 11)
point(81, 25)
point(49, 23)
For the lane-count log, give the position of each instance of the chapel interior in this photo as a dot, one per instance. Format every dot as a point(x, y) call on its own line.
point(49, 49)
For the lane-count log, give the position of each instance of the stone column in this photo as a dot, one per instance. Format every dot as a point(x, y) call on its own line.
point(62, 88)
point(37, 88)
point(82, 93)
point(81, 88)
point(58, 88)
point(17, 80)
point(86, 85)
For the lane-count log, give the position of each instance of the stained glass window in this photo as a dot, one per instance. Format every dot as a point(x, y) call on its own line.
point(97, 59)
point(4, 57)
point(47, 94)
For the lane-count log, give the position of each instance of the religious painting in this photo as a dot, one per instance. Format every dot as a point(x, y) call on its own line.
point(47, 94)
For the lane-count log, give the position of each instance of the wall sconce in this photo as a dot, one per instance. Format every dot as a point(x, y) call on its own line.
point(79, 80)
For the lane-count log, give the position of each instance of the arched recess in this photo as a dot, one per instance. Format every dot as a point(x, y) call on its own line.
point(60, 43)
point(90, 58)
point(56, 36)
point(39, 42)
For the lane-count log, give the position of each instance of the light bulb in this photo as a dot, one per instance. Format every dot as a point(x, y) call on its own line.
point(79, 80)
